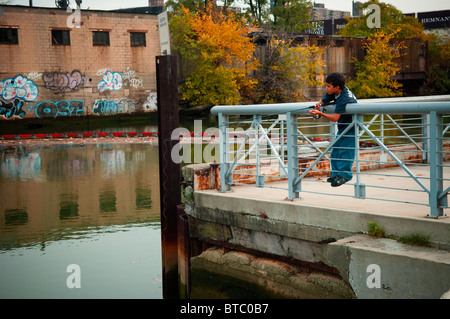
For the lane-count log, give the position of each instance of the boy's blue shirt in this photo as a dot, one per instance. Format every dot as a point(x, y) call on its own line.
point(341, 102)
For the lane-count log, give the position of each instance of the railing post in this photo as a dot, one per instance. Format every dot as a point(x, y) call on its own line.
point(333, 130)
point(436, 166)
point(383, 154)
point(425, 137)
point(360, 189)
point(259, 178)
point(292, 153)
point(225, 180)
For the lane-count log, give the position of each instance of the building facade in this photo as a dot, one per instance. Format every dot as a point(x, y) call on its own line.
point(58, 63)
point(319, 12)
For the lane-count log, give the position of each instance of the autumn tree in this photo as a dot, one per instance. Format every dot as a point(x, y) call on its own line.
point(374, 74)
point(218, 47)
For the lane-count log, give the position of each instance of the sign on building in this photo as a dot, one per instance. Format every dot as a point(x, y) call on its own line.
point(435, 19)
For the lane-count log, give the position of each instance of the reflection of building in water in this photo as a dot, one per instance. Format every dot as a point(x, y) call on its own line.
point(80, 186)
point(21, 166)
point(113, 162)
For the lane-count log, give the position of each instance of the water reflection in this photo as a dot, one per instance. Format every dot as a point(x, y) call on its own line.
point(101, 197)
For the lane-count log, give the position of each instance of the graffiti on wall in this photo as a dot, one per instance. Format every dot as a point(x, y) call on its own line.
point(20, 87)
point(19, 94)
point(34, 76)
point(151, 103)
point(111, 81)
point(51, 109)
point(62, 81)
point(100, 72)
point(130, 79)
point(9, 109)
point(111, 107)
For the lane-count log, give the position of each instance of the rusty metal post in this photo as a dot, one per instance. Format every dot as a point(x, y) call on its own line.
point(169, 171)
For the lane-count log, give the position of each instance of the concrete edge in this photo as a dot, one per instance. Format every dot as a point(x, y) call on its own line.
point(324, 217)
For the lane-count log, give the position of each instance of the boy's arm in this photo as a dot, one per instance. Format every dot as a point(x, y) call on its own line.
point(330, 117)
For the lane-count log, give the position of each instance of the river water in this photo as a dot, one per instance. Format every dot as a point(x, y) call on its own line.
point(80, 221)
point(82, 215)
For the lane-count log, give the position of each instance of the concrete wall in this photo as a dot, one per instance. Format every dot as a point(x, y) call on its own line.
point(39, 79)
point(327, 243)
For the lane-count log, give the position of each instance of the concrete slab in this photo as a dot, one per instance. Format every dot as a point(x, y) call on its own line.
point(317, 192)
point(381, 268)
point(319, 205)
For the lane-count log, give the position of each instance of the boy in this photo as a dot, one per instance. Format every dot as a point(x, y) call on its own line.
point(343, 152)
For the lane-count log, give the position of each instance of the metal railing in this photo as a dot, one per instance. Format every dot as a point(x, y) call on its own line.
point(281, 143)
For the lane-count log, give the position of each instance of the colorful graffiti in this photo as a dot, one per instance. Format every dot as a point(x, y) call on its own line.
point(50, 109)
point(20, 96)
point(111, 107)
point(111, 81)
point(62, 81)
point(9, 109)
point(20, 87)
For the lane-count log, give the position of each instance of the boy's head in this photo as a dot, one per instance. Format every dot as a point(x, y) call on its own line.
point(335, 81)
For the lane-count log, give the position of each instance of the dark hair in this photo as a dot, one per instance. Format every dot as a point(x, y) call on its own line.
point(336, 79)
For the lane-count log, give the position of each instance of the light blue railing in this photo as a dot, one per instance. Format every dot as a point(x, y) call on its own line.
point(282, 143)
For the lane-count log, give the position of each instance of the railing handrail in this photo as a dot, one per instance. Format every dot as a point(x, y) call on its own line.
point(411, 105)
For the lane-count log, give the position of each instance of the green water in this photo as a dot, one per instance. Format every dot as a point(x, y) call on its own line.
point(94, 206)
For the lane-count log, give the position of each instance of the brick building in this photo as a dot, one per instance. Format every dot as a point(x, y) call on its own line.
point(56, 63)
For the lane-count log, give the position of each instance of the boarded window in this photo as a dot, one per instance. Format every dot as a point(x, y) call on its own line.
point(60, 37)
point(9, 36)
point(137, 39)
point(100, 38)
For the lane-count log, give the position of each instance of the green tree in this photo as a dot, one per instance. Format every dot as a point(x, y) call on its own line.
point(257, 11)
point(374, 74)
point(176, 5)
point(438, 80)
point(292, 15)
point(392, 22)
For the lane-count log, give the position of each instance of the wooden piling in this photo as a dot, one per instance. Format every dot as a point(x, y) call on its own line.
point(184, 254)
point(169, 171)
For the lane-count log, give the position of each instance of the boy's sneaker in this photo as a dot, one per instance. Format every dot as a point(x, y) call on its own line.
point(330, 179)
point(338, 181)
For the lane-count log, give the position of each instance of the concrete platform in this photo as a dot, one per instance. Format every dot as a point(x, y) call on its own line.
point(346, 199)
point(326, 230)
point(345, 213)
